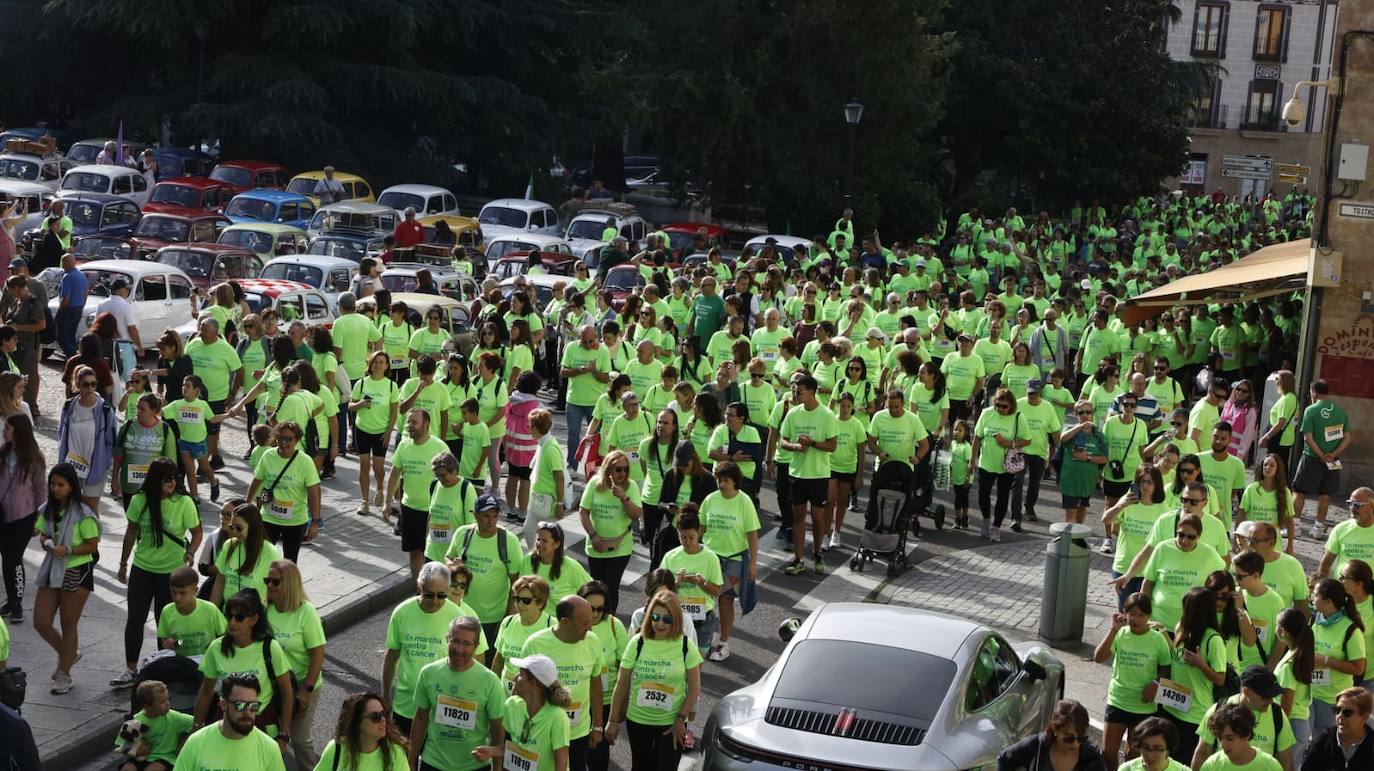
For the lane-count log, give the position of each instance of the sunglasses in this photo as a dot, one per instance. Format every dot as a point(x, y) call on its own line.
point(377, 717)
point(459, 585)
point(598, 608)
point(1187, 469)
point(1343, 712)
point(525, 600)
point(434, 595)
point(755, 374)
point(1068, 739)
point(272, 581)
point(1186, 536)
point(1178, 424)
point(239, 616)
point(246, 706)
point(1353, 504)
point(660, 618)
point(1128, 405)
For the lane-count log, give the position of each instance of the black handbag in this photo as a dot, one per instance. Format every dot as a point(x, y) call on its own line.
point(13, 686)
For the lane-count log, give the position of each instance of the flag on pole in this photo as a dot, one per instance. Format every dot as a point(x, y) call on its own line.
point(529, 188)
point(119, 146)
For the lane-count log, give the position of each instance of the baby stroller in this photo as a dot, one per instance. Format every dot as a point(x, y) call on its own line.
point(885, 526)
point(924, 483)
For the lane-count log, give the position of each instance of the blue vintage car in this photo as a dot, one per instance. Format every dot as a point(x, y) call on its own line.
point(276, 206)
point(93, 214)
point(182, 162)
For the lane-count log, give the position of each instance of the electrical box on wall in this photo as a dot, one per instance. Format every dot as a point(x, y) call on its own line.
point(1354, 160)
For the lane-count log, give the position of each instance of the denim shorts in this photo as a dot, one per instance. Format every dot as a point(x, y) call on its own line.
point(732, 573)
point(196, 450)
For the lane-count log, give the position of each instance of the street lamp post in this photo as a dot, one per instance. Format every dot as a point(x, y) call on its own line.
point(853, 112)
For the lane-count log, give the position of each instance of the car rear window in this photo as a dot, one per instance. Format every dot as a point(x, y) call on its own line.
point(866, 677)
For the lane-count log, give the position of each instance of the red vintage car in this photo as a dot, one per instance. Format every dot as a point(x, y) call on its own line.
point(682, 234)
point(251, 175)
point(516, 263)
point(189, 196)
point(210, 264)
point(621, 281)
point(155, 231)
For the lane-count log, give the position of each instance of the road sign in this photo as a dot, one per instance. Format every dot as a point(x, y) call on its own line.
point(1292, 179)
point(1245, 174)
point(1292, 169)
point(1247, 162)
point(1362, 211)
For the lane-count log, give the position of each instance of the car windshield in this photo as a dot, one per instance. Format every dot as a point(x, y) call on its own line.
point(197, 264)
point(14, 168)
point(503, 216)
point(290, 271)
point(176, 195)
point(679, 241)
point(589, 229)
point(87, 249)
point(346, 248)
point(87, 181)
point(255, 301)
point(100, 280)
point(252, 209)
point(502, 248)
point(84, 152)
point(163, 228)
point(84, 213)
point(401, 201)
point(233, 175)
point(399, 282)
point(252, 240)
point(302, 185)
point(859, 676)
point(624, 280)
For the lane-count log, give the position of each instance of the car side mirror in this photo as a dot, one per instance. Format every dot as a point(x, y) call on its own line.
point(788, 629)
point(1035, 670)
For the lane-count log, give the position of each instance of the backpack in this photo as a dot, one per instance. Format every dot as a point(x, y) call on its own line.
point(167, 425)
point(639, 648)
point(501, 548)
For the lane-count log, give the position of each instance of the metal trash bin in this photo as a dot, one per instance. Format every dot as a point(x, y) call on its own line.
point(1064, 599)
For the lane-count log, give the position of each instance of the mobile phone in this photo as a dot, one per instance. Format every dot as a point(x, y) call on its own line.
point(367, 397)
point(1135, 489)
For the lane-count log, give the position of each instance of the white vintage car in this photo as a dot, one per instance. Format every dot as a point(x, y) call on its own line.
point(116, 180)
point(160, 294)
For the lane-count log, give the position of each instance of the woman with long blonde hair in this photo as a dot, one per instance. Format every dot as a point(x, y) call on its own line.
point(608, 506)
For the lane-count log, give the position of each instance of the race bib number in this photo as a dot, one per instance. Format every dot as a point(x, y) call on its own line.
point(510, 686)
point(1321, 676)
point(520, 759)
point(137, 474)
point(1172, 694)
point(397, 362)
point(440, 533)
point(634, 459)
point(1228, 355)
point(188, 416)
point(655, 696)
point(768, 355)
point(80, 463)
point(574, 711)
point(694, 610)
point(1334, 433)
point(1261, 630)
point(456, 713)
point(281, 509)
point(605, 682)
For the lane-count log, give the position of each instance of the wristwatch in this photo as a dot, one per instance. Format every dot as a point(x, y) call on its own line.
point(284, 737)
point(309, 687)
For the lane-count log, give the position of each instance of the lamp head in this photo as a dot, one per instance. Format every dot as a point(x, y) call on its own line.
point(1293, 112)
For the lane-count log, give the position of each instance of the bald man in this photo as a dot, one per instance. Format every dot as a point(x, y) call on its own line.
point(1352, 539)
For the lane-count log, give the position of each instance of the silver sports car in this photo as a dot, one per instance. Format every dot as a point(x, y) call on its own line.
point(866, 686)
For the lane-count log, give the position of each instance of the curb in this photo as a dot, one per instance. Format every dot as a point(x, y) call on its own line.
point(97, 733)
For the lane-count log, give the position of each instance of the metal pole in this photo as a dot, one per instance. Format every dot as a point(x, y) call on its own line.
point(849, 167)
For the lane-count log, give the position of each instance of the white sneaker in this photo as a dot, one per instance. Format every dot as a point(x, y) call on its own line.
point(831, 541)
point(986, 530)
point(720, 652)
point(1318, 531)
point(996, 536)
point(61, 683)
point(1108, 546)
point(125, 679)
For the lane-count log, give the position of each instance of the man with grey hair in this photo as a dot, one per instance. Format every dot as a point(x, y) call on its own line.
point(1049, 344)
point(355, 338)
point(329, 190)
point(612, 254)
point(409, 233)
point(587, 367)
point(416, 635)
point(216, 363)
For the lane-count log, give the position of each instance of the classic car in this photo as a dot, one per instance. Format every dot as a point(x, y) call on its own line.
point(161, 294)
point(117, 180)
point(250, 175)
point(210, 264)
point(189, 195)
point(92, 214)
point(427, 200)
point(265, 239)
point(85, 150)
point(517, 215)
point(355, 187)
point(182, 162)
point(271, 206)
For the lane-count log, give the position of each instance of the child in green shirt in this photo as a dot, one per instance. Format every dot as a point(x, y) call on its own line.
point(961, 454)
point(476, 443)
point(192, 414)
point(160, 733)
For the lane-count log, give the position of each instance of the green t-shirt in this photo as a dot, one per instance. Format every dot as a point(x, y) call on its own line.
point(1135, 524)
point(396, 342)
point(1173, 572)
point(476, 437)
point(626, 434)
point(248, 659)
point(611, 632)
point(461, 707)
point(511, 637)
point(609, 519)
point(1079, 477)
point(571, 577)
point(643, 376)
point(961, 375)
point(1213, 649)
point(1348, 541)
point(1225, 476)
point(297, 632)
point(449, 509)
point(1043, 419)
point(492, 399)
point(293, 476)
point(896, 436)
point(1016, 376)
point(1262, 505)
point(414, 459)
point(1264, 611)
point(230, 560)
point(720, 439)
point(1263, 739)
point(489, 592)
point(657, 460)
point(353, 333)
point(1202, 419)
point(1329, 639)
point(193, 631)
point(1124, 441)
point(728, 523)
point(88, 528)
point(164, 734)
point(850, 435)
point(992, 455)
point(927, 407)
point(532, 741)
point(1302, 692)
point(819, 424)
point(433, 399)
point(364, 761)
point(423, 342)
point(214, 364)
point(420, 638)
point(1097, 344)
point(1136, 661)
point(191, 417)
point(578, 663)
point(139, 447)
point(377, 417)
point(1213, 530)
point(583, 389)
point(766, 343)
point(179, 517)
point(658, 680)
point(209, 750)
point(1286, 576)
point(548, 459)
point(1285, 407)
point(696, 603)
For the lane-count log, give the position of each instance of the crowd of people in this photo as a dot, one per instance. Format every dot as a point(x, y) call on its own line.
point(999, 352)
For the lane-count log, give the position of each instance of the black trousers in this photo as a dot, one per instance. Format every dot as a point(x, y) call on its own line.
point(599, 757)
point(609, 570)
point(650, 748)
point(986, 481)
point(289, 537)
point(652, 520)
point(577, 754)
point(14, 538)
point(784, 489)
point(145, 589)
point(1030, 476)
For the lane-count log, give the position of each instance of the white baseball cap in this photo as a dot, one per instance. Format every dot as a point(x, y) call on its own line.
point(539, 665)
